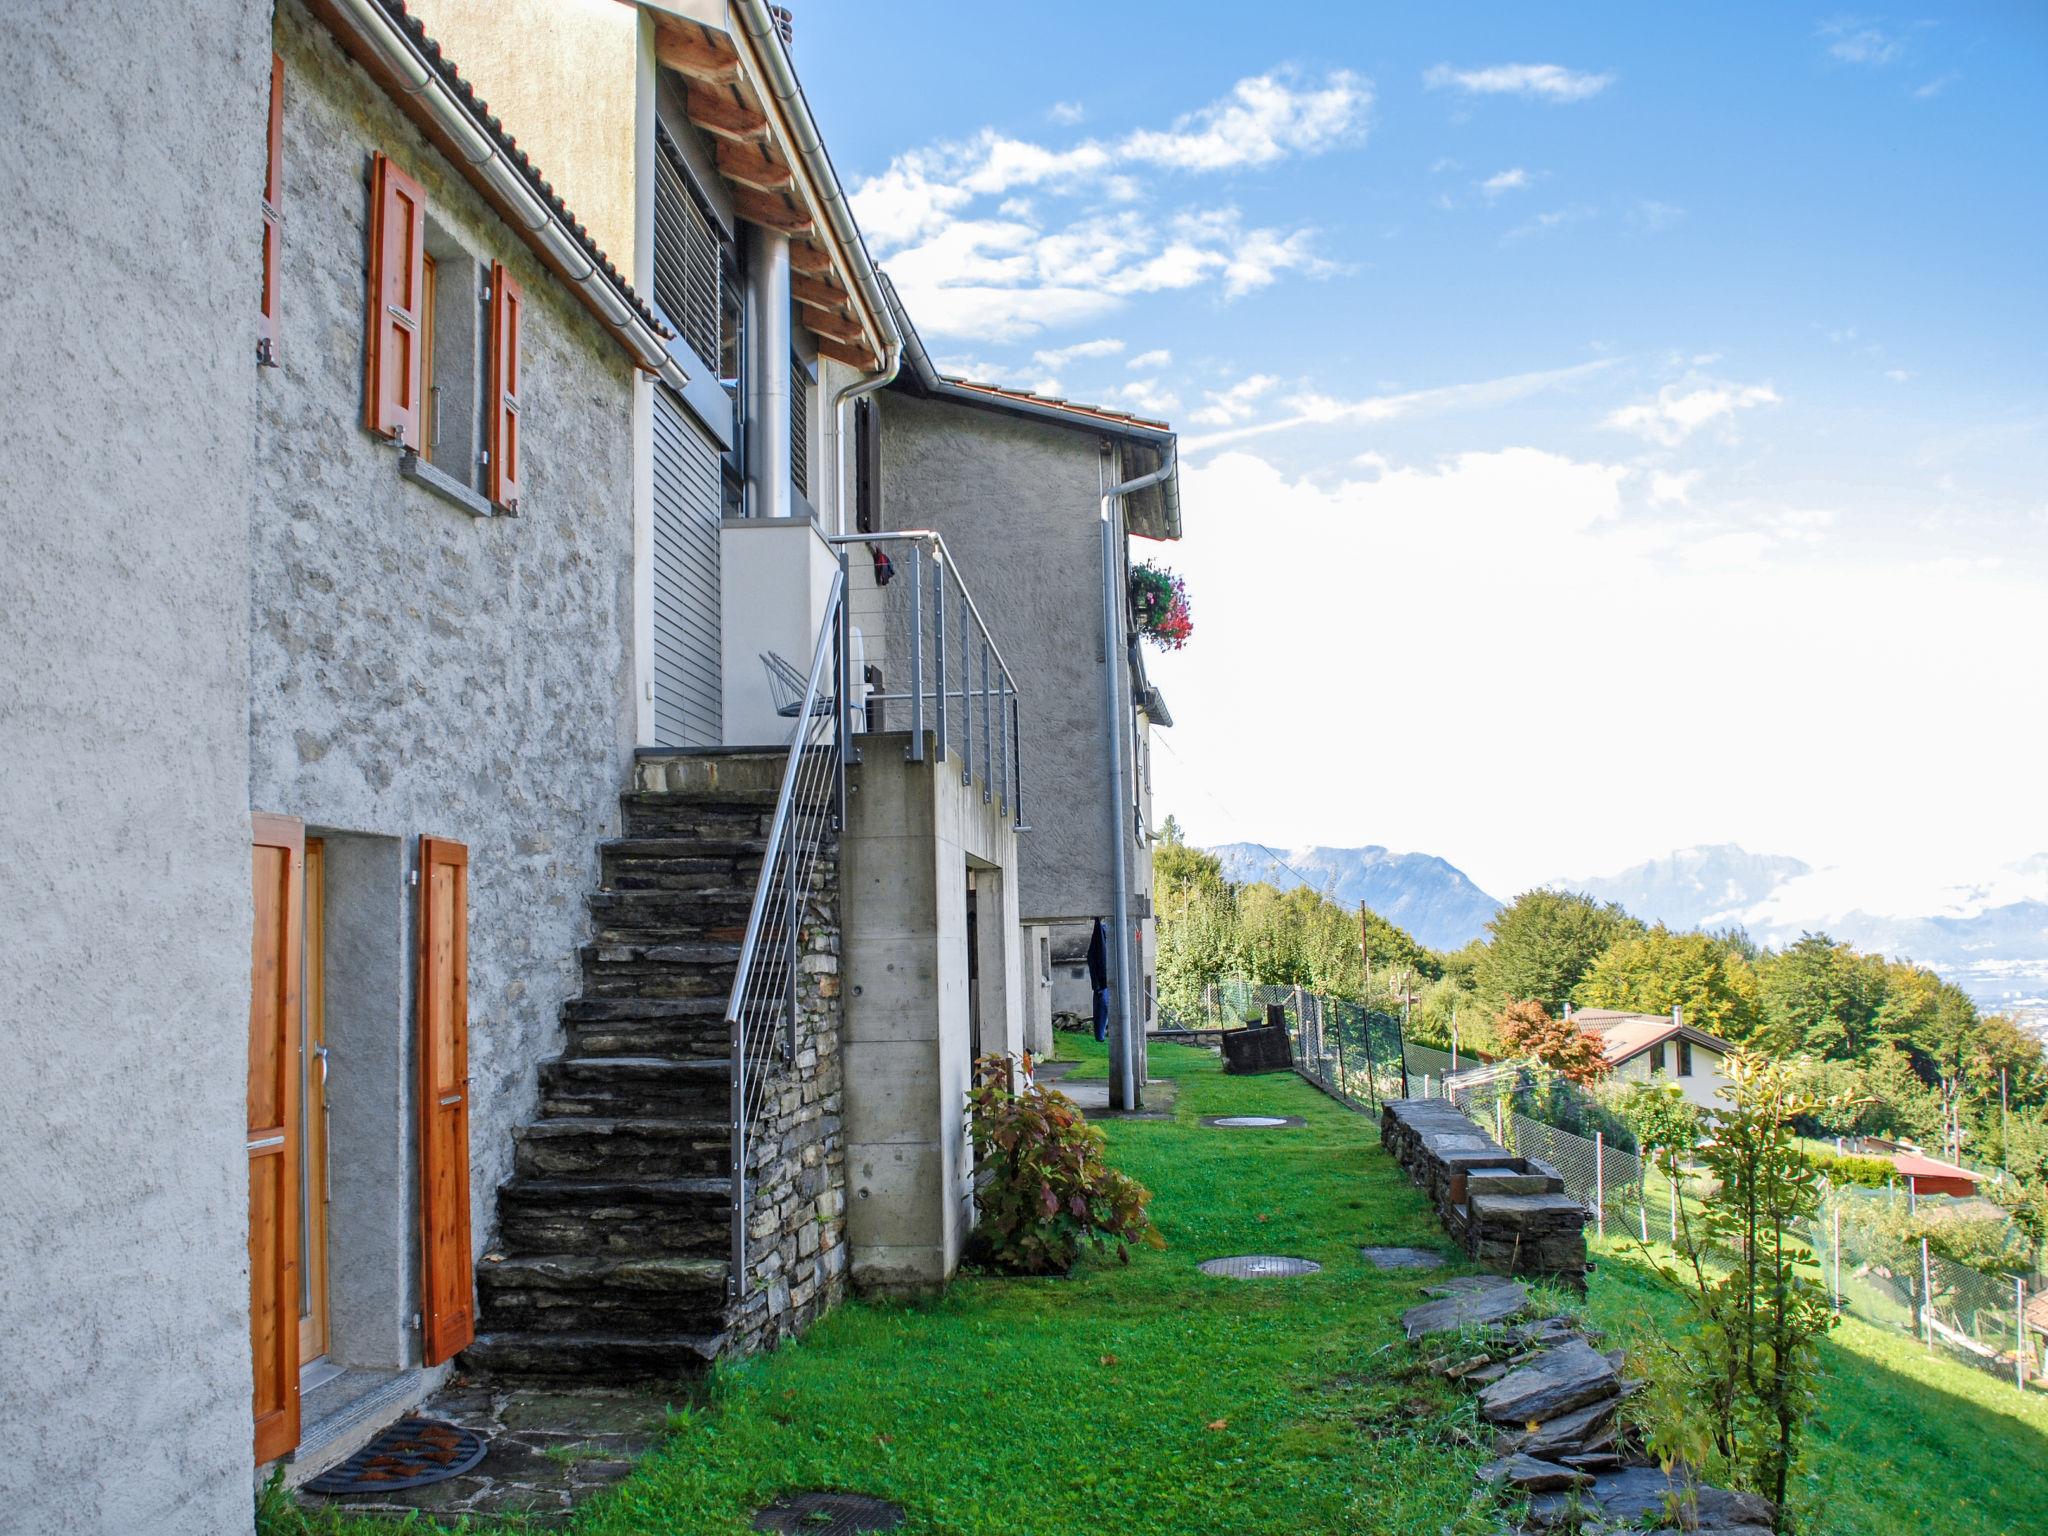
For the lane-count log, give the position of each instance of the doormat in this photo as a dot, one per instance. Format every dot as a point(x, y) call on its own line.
point(1260, 1266)
point(410, 1454)
point(829, 1514)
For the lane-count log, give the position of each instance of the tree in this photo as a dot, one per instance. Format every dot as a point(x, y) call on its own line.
point(1179, 869)
point(1819, 997)
point(1656, 971)
point(1527, 1029)
point(1659, 1115)
point(1544, 944)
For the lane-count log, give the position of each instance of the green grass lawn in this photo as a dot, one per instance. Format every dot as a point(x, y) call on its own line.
point(1153, 1399)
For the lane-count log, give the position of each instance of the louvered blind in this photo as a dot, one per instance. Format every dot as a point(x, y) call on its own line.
point(799, 428)
point(686, 254)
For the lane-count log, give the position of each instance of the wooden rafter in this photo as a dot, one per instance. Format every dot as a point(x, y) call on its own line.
point(817, 293)
point(838, 327)
point(748, 166)
point(697, 54)
point(811, 260)
point(849, 353)
point(713, 109)
point(772, 212)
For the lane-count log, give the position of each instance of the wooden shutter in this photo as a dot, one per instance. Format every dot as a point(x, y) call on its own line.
point(508, 308)
point(276, 956)
point(398, 282)
point(448, 1310)
point(273, 215)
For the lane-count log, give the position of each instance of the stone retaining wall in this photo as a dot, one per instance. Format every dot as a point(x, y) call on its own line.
point(1510, 1213)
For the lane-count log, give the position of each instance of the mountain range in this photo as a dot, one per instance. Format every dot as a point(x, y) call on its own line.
point(1990, 938)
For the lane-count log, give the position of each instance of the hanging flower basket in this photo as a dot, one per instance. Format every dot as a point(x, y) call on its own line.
point(1159, 602)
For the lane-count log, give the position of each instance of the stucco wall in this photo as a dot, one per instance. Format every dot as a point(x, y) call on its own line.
point(416, 669)
point(125, 909)
point(1701, 1087)
point(1016, 502)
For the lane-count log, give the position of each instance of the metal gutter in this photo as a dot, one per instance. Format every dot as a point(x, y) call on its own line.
point(865, 385)
point(370, 29)
point(808, 145)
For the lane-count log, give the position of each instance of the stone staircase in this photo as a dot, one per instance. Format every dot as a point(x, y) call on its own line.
point(614, 1233)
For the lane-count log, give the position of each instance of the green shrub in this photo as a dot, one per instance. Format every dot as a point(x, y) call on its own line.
point(1041, 1185)
point(1843, 1168)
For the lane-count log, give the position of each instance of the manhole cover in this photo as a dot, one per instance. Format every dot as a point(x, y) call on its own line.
point(1250, 1122)
point(829, 1514)
point(1260, 1266)
point(410, 1454)
point(1402, 1258)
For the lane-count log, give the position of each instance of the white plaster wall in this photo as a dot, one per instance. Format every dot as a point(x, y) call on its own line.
point(131, 161)
point(775, 580)
point(1703, 1087)
point(416, 669)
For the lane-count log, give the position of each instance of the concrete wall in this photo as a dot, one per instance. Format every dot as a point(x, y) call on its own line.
point(912, 834)
point(774, 581)
point(418, 669)
point(125, 908)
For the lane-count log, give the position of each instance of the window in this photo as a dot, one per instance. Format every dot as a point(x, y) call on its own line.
point(800, 427)
point(867, 458)
point(1685, 1058)
point(1657, 1057)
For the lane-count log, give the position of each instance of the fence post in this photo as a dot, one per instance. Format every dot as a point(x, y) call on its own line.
point(1926, 1296)
point(2019, 1329)
point(1500, 1130)
point(1672, 1178)
point(1600, 1183)
point(1343, 1079)
point(1837, 1252)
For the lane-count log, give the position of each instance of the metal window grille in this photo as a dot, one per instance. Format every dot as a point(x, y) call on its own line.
point(799, 427)
point(688, 253)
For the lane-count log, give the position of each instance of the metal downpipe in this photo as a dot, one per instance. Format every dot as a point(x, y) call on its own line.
point(1127, 1052)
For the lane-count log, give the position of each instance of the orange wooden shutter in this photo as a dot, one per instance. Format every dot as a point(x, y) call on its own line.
point(398, 259)
point(275, 959)
point(273, 215)
point(448, 1312)
point(508, 308)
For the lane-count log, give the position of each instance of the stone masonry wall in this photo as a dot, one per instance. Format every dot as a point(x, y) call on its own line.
point(1510, 1213)
point(796, 1237)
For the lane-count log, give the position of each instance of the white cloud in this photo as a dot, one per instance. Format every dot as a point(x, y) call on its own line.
point(1898, 375)
point(1159, 357)
point(1515, 180)
point(1229, 406)
point(1544, 223)
point(1263, 119)
point(1325, 410)
point(1059, 357)
point(1547, 82)
point(1935, 87)
point(1550, 577)
point(1854, 41)
point(1066, 113)
point(1655, 217)
point(1672, 488)
point(1005, 276)
point(1148, 397)
point(1682, 409)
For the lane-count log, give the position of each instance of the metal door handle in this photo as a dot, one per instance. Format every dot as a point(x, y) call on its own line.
point(453, 1098)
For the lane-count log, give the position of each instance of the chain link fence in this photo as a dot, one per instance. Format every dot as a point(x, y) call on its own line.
point(1992, 1322)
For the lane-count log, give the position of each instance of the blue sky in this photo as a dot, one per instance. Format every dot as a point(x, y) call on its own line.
point(1605, 429)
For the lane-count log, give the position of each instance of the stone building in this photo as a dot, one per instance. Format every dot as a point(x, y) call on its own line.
point(469, 654)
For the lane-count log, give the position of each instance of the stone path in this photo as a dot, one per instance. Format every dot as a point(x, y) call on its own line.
point(549, 1450)
point(1555, 1402)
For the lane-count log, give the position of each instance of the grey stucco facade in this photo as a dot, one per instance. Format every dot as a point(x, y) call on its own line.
point(418, 669)
point(125, 904)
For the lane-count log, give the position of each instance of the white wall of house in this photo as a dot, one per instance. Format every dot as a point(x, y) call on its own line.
point(125, 911)
point(1702, 1086)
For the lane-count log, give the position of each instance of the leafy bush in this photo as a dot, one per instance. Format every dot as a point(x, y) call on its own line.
point(1658, 1114)
point(1842, 1168)
point(1041, 1185)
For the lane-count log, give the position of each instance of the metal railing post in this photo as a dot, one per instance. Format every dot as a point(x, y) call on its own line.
point(793, 918)
point(736, 1281)
point(915, 751)
point(1017, 713)
point(1926, 1295)
point(1003, 740)
point(966, 692)
point(988, 732)
point(939, 642)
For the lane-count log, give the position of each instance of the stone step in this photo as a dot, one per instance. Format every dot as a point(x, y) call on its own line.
point(656, 915)
point(698, 968)
point(685, 1028)
point(615, 1218)
point(685, 816)
point(695, 1147)
point(584, 1357)
point(744, 777)
point(575, 1293)
point(634, 1088)
point(681, 863)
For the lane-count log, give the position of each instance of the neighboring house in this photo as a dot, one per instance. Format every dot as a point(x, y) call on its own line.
point(1019, 488)
point(1642, 1046)
point(424, 696)
point(1930, 1176)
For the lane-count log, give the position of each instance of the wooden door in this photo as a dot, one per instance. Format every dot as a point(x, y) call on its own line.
point(313, 1086)
point(273, 1100)
point(448, 1310)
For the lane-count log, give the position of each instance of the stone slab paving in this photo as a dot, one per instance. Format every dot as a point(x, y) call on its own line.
point(1479, 1302)
point(1091, 1096)
point(549, 1451)
point(1401, 1258)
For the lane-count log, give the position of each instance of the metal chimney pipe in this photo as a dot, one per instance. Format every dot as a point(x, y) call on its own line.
point(768, 384)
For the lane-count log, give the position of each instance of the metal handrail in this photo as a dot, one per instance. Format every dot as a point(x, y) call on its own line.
point(983, 673)
point(767, 978)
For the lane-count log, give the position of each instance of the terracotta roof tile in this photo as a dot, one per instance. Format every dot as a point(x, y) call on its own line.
point(1057, 403)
